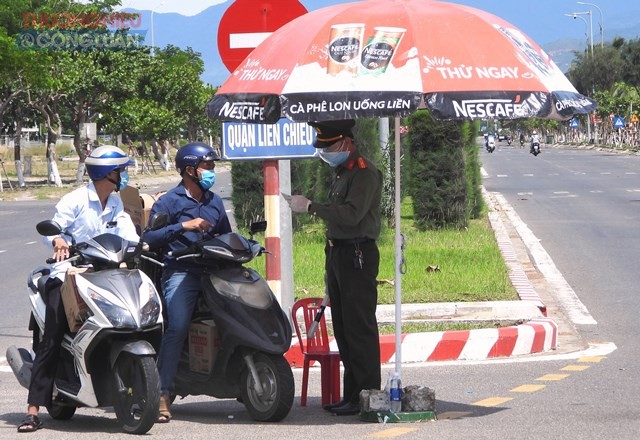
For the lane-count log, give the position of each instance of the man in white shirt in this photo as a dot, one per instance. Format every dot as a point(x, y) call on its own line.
point(83, 214)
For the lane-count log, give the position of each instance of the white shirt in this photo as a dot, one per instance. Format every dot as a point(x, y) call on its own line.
point(80, 214)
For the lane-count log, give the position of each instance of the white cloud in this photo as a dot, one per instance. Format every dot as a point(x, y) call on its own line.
point(183, 7)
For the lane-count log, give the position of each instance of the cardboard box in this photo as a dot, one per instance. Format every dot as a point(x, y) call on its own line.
point(204, 342)
point(75, 308)
point(138, 206)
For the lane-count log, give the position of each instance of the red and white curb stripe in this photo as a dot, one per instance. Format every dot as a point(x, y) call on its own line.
point(536, 336)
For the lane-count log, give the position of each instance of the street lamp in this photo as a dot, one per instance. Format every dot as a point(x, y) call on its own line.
point(600, 24)
point(153, 42)
point(589, 24)
point(575, 15)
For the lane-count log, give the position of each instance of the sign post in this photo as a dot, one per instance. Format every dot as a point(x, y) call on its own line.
point(244, 25)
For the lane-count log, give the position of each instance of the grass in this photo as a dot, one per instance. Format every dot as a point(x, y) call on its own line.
point(470, 265)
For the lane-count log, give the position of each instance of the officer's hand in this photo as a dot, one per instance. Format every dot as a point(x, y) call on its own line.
point(60, 249)
point(299, 203)
point(197, 224)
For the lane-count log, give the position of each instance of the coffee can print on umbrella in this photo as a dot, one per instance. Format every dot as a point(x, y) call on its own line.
point(379, 50)
point(344, 48)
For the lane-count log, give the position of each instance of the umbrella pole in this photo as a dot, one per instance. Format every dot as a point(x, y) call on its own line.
point(398, 251)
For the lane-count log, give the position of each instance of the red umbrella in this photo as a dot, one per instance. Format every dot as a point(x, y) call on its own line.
point(389, 58)
point(381, 58)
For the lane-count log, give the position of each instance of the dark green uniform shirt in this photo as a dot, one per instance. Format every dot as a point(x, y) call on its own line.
point(353, 210)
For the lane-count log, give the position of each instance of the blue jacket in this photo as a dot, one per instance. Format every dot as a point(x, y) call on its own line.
point(181, 207)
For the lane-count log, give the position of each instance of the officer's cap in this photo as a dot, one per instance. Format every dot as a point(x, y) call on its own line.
point(329, 132)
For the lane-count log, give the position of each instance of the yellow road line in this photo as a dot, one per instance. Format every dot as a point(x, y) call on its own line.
point(575, 367)
point(493, 401)
point(592, 359)
point(527, 388)
point(553, 377)
point(393, 432)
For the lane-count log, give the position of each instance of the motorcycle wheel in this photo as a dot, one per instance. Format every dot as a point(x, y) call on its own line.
point(59, 411)
point(277, 382)
point(136, 392)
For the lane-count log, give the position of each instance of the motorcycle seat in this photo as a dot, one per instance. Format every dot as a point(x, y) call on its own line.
point(42, 281)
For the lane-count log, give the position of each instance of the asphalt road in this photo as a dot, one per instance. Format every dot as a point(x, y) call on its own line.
point(577, 395)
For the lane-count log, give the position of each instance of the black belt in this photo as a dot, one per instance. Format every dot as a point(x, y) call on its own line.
point(348, 242)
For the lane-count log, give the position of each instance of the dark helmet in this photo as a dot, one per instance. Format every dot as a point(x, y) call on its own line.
point(190, 155)
point(105, 159)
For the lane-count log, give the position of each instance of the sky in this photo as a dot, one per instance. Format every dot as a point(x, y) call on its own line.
point(542, 20)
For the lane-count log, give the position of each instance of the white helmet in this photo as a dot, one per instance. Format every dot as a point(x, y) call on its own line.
point(535, 132)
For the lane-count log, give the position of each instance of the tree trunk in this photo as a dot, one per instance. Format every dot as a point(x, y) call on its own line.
point(16, 150)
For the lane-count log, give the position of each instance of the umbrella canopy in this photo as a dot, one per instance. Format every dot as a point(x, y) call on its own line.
point(390, 57)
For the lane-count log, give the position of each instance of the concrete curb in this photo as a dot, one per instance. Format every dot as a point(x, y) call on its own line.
point(536, 333)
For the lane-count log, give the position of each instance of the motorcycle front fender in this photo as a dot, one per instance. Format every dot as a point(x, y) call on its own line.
point(138, 348)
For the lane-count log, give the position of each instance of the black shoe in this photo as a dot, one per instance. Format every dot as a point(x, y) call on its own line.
point(348, 409)
point(330, 406)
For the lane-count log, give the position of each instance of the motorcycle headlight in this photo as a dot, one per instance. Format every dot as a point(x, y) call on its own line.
point(255, 294)
point(151, 310)
point(119, 316)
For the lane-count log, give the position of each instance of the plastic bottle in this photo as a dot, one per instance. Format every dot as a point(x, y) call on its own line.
point(395, 393)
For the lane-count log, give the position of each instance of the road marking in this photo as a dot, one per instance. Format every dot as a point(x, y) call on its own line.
point(31, 242)
point(1, 251)
point(633, 190)
point(565, 295)
point(528, 175)
point(561, 192)
point(596, 191)
point(525, 194)
point(605, 173)
point(527, 388)
point(393, 432)
point(565, 196)
point(631, 172)
point(493, 401)
point(575, 367)
point(553, 377)
point(502, 175)
point(592, 359)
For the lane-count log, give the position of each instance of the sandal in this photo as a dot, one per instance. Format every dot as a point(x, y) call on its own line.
point(30, 423)
point(164, 415)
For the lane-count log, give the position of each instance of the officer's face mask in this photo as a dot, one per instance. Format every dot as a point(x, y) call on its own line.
point(334, 158)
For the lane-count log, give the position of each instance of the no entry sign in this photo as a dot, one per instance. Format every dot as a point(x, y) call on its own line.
point(246, 23)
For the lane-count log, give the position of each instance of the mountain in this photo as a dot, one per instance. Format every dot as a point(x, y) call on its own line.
point(200, 32)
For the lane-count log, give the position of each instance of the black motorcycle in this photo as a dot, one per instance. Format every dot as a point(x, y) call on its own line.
point(535, 148)
point(239, 332)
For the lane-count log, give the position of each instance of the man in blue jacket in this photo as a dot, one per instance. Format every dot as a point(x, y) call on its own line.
point(194, 213)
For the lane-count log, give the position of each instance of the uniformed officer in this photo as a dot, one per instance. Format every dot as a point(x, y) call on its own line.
point(352, 218)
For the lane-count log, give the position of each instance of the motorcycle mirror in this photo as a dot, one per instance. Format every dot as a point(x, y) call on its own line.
point(258, 227)
point(48, 228)
point(159, 220)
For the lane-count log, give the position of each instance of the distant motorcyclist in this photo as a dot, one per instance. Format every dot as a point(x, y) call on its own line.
point(535, 139)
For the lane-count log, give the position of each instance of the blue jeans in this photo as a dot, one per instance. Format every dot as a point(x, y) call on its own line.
point(180, 291)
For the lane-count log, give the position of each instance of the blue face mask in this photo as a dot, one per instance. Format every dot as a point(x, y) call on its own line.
point(124, 179)
point(207, 179)
point(334, 158)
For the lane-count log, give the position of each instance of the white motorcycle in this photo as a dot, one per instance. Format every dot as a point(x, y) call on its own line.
point(110, 359)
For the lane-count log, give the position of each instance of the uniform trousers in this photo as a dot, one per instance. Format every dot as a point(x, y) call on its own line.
point(353, 293)
point(48, 350)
